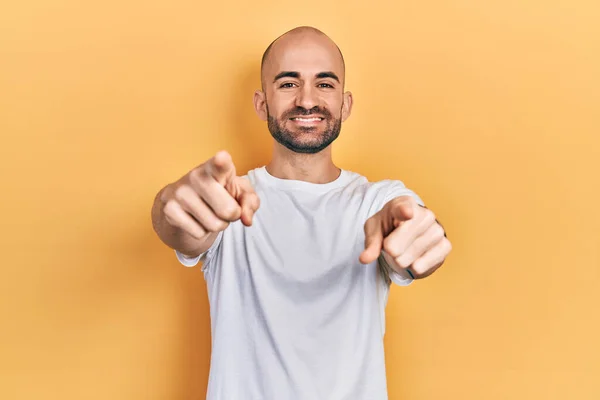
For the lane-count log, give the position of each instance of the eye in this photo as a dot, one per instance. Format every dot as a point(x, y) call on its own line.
point(325, 85)
point(287, 85)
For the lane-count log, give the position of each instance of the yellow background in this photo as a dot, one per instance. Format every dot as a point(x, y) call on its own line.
point(488, 109)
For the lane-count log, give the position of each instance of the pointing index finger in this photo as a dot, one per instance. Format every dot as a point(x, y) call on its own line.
point(402, 211)
point(221, 167)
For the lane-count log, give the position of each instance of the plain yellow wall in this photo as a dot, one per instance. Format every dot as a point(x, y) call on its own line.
point(488, 109)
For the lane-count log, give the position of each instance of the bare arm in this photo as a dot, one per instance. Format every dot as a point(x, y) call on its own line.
point(187, 215)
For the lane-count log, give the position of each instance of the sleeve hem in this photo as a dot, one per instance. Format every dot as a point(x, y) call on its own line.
point(204, 258)
point(400, 278)
point(187, 261)
point(397, 189)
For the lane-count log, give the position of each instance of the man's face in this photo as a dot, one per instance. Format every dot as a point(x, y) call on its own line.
point(303, 96)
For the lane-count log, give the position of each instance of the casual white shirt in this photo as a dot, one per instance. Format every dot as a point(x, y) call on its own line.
point(294, 314)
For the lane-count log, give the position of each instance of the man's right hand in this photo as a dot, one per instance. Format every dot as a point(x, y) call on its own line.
point(209, 197)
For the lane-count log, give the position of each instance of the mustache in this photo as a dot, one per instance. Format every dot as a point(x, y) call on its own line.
point(301, 111)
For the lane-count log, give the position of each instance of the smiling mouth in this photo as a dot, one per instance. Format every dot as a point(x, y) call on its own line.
point(304, 119)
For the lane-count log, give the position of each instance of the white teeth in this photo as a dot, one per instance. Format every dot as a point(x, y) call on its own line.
point(307, 119)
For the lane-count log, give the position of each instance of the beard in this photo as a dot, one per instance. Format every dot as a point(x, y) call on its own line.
point(305, 139)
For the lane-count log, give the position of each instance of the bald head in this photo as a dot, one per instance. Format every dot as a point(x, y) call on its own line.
point(291, 40)
point(302, 97)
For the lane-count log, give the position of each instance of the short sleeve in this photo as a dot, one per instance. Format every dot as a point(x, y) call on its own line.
point(187, 261)
point(205, 257)
point(397, 189)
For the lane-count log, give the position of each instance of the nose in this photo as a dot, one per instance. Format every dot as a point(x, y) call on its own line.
point(307, 97)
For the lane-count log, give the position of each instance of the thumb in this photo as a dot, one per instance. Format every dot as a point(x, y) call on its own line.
point(247, 199)
point(373, 240)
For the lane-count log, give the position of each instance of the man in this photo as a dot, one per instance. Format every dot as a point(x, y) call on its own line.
point(298, 255)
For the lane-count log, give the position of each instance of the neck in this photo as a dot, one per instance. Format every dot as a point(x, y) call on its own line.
point(313, 168)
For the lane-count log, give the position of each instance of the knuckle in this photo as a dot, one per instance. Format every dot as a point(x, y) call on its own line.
point(217, 225)
point(448, 245)
point(400, 261)
point(170, 209)
point(438, 232)
point(429, 215)
point(196, 232)
point(172, 213)
point(418, 268)
point(418, 248)
point(389, 248)
point(181, 193)
point(230, 212)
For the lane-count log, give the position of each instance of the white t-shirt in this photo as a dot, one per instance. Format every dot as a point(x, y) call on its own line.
point(294, 314)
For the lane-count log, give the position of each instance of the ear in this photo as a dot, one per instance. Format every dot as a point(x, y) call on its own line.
point(260, 104)
point(347, 106)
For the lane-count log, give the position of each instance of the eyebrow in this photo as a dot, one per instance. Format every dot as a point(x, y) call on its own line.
point(328, 74)
point(286, 74)
point(294, 74)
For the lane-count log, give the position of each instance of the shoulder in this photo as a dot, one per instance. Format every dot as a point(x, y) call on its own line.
point(385, 187)
point(254, 176)
point(379, 192)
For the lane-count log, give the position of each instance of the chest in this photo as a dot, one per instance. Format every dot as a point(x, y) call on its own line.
point(298, 249)
point(305, 237)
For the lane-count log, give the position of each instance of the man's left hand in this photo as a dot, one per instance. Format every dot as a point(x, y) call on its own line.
point(408, 233)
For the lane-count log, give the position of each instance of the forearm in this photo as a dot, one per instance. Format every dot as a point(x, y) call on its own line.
point(175, 237)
